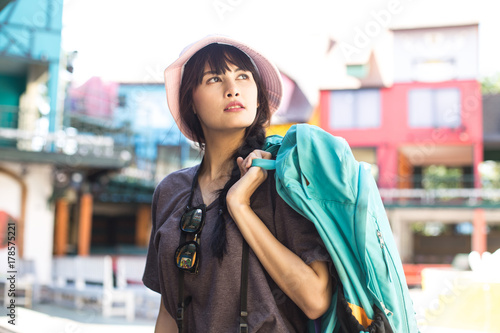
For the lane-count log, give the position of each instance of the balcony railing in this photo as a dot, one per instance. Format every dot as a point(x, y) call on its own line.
point(443, 187)
point(452, 197)
point(28, 131)
point(437, 181)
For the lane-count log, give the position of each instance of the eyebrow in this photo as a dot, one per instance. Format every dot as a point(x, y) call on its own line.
point(215, 73)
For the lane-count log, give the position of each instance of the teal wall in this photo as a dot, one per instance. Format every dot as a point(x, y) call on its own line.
point(30, 32)
point(11, 88)
point(35, 25)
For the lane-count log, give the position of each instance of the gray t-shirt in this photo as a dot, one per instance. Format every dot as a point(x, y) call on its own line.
point(215, 290)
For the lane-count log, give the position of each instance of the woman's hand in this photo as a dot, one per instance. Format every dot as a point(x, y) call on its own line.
point(251, 179)
point(308, 286)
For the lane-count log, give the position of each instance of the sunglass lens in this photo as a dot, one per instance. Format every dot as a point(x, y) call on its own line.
point(191, 220)
point(186, 256)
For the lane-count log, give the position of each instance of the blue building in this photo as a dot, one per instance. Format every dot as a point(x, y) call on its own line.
point(30, 39)
point(159, 145)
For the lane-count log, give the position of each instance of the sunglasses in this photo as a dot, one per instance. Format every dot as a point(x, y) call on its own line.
point(187, 255)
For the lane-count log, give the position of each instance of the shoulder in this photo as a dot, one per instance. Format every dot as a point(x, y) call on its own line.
point(171, 194)
point(175, 182)
point(178, 178)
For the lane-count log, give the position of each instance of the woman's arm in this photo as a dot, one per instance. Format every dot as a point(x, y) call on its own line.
point(309, 286)
point(165, 323)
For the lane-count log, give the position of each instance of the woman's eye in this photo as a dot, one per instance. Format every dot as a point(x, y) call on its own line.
point(214, 79)
point(243, 76)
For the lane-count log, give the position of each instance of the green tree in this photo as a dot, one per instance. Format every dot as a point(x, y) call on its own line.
point(441, 177)
point(490, 174)
point(491, 84)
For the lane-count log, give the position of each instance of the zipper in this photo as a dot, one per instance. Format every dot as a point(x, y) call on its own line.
point(384, 252)
point(387, 257)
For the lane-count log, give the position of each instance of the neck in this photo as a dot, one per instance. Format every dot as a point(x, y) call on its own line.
point(217, 162)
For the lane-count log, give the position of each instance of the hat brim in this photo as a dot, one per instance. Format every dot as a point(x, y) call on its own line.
point(268, 72)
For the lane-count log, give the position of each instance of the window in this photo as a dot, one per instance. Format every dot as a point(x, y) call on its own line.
point(122, 101)
point(434, 108)
point(359, 71)
point(351, 109)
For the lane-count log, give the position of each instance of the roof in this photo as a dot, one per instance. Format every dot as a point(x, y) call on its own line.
point(377, 58)
point(434, 26)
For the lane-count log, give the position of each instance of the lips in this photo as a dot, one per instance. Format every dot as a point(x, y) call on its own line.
point(234, 106)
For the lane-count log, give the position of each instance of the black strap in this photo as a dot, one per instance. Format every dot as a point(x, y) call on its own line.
point(181, 301)
point(244, 289)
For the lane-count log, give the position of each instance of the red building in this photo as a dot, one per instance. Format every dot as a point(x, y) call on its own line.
point(401, 138)
point(412, 107)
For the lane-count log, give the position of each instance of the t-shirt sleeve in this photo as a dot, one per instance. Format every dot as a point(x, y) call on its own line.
point(298, 233)
point(151, 271)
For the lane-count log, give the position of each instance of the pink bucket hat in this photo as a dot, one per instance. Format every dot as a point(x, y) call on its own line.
point(173, 75)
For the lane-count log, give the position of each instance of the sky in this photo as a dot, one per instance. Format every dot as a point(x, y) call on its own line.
point(132, 41)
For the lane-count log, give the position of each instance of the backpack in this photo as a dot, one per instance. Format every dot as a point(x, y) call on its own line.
point(317, 175)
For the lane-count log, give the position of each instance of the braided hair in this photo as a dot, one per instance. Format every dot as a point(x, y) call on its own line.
point(218, 57)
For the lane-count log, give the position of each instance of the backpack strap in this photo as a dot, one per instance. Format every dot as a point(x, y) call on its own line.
point(272, 145)
point(264, 164)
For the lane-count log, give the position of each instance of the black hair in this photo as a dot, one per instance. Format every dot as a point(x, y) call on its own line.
point(218, 57)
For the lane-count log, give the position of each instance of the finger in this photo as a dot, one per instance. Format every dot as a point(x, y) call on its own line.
point(257, 173)
point(265, 155)
point(250, 158)
point(240, 161)
point(244, 164)
point(255, 176)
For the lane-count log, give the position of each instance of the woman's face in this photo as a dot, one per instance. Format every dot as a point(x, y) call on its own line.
point(225, 103)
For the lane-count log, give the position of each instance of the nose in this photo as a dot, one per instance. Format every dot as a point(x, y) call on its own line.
point(232, 90)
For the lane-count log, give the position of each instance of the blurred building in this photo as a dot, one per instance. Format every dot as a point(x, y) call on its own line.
point(30, 36)
point(44, 162)
point(412, 107)
point(121, 219)
point(491, 129)
point(160, 146)
point(295, 108)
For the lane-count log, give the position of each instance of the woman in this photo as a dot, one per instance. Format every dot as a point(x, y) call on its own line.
point(222, 94)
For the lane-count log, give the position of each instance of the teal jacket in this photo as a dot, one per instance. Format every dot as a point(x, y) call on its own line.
point(317, 175)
